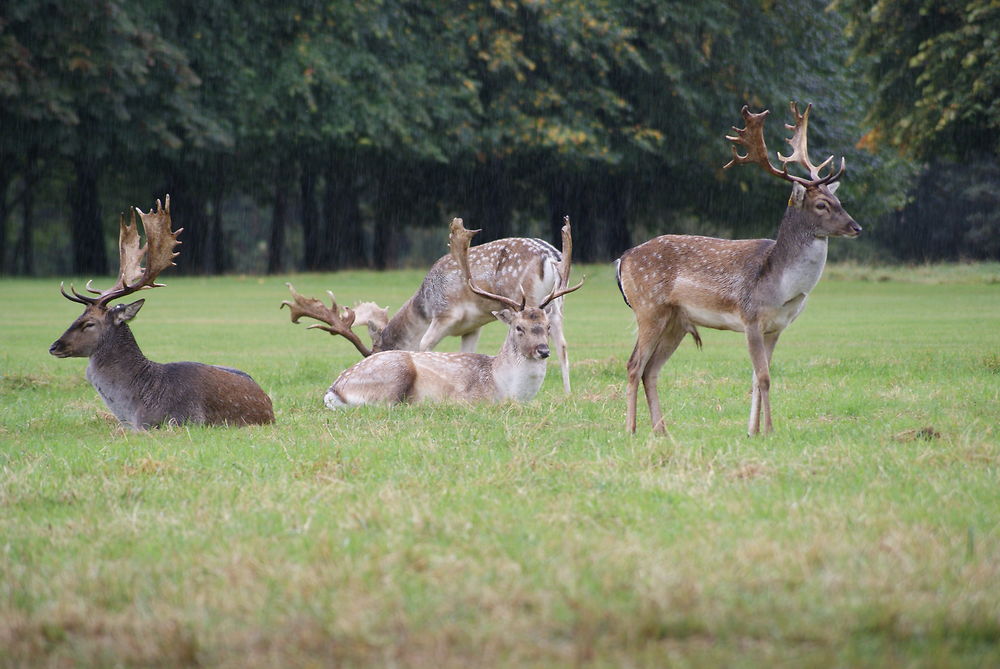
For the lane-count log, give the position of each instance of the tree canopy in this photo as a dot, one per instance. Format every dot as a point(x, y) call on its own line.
point(935, 70)
point(319, 135)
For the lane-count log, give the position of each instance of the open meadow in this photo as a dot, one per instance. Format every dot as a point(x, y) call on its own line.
point(865, 532)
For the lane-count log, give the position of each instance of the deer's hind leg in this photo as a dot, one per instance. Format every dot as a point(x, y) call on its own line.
point(554, 311)
point(384, 378)
point(650, 330)
point(665, 347)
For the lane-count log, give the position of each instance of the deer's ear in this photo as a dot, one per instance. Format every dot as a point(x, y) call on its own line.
point(373, 330)
point(125, 313)
point(505, 315)
point(798, 195)
point(833, 187)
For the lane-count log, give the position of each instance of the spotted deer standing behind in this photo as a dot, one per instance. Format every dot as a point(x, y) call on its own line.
point(443, 306)
point(516, 372)
point(675, 283)
point(140, 392)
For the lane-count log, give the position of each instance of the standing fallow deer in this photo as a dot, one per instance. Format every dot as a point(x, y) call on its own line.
point(675, 283)
point(140, 392)
point(443, 307)
point(516, 372)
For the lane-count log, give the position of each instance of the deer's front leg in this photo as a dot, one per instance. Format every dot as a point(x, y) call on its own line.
point(469, 340)
point(760, 347)
point(436, 331)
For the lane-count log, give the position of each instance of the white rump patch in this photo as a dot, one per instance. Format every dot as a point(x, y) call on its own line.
point(332, 400)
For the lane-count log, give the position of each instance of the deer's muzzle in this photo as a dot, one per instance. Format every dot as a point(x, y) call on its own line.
point(58, 349)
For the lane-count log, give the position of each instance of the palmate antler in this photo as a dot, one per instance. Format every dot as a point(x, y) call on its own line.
point(158, 253)
point(752, 139)
point(458, 244)
point(337, 322)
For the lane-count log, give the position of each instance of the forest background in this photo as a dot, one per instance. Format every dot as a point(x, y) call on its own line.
point(312, 135)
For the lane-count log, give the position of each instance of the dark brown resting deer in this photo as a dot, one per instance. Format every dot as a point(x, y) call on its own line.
point(391, 377)
point(675, 283)
point(443, 307)
point(140, 392)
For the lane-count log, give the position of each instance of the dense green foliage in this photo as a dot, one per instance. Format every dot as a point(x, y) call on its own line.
point(318, 135)
point(934, 67)
point(310, 134)
point(865, 532)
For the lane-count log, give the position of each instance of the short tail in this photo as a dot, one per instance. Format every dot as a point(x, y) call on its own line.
point(618, 278)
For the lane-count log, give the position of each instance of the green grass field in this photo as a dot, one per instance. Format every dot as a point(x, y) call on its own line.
point(864, 533)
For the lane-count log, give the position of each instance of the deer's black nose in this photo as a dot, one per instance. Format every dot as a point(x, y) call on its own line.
point(543, 351)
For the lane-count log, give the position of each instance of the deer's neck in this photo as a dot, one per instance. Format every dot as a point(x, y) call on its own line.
point(120, 372)
point(516, 377)
point(797, 258)
point(118, 350)
point(405, 329)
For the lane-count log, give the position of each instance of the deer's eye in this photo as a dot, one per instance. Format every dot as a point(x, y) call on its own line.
point(519, 329)
point(822, 206)
point(87, 325)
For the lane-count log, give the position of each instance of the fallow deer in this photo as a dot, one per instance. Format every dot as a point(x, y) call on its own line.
point(139, 392)
point(443, 307)
point(391, 377)
point(675, 283)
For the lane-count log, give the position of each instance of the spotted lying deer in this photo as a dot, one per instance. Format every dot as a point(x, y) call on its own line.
point(139, 392)
point(676, 283)
point(443, 307)
point(391, 377)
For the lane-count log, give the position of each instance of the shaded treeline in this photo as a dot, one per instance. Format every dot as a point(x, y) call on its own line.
point(316, 136)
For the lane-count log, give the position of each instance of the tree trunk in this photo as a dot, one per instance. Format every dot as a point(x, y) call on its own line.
point(279, 218)
point(616, 212)
point(5, 178)
point(383, 240)
point(86, 232)
point(189, 204)
point(342, 239)
point(25, 248)
point(311, 248)
point(388, 214)
point(491, 198)
point(220, 255)
point(197, 233)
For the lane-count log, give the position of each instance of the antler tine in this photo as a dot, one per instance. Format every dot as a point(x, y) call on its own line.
point(458, 244)
point(564, 266)
point(337, 322)
point(799, 142)
point(75, 297)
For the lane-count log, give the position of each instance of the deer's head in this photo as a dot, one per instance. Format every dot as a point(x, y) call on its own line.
point(813, 200)
point(528, 331)
point(95, 324)
point(99, 319)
